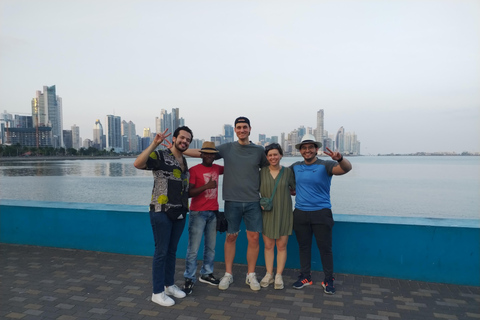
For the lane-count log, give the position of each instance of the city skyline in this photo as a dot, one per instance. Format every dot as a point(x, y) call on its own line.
point(402, 75)
point(121, 136)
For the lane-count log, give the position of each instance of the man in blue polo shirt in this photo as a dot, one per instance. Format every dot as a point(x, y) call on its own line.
point(313, 214)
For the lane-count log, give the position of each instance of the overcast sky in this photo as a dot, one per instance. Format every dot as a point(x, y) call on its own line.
point(403, 75)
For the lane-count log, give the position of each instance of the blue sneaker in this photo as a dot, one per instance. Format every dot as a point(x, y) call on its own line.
point(303, 281)
point(328, 286)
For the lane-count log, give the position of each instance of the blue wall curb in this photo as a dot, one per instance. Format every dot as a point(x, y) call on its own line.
point(431, 250)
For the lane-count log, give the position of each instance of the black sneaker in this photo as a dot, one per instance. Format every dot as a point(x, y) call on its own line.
point(210, 279)
point(188, 286)
point(303, 280)
point(328, 286)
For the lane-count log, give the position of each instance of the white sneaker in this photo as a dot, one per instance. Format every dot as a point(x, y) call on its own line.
point(225, 282)
point(175, 291)
point(252, 281)
point(278, 282)
point(267, 280)
point(162, 299)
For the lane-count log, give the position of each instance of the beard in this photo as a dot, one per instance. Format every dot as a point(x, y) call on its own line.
point(181, 146)
point(309, 157)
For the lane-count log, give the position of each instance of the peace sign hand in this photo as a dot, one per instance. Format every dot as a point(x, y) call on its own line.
point(167, 144)
point(335, 155)
point(160, 137)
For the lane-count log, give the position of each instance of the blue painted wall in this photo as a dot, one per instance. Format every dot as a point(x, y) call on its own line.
point(433, 250)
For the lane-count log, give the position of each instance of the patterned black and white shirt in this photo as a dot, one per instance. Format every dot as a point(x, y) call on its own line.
point(170, 187)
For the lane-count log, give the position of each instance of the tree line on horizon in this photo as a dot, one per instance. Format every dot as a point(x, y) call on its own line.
point(18, 150)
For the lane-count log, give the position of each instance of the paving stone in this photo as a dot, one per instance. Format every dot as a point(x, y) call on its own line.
point(121, 289)
point(33, 312)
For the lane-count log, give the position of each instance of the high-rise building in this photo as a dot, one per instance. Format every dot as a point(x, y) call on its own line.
point(163, 122)
point(302, 131)
point(170, 121)
point(262, 138)
point(128, 130)
point(47, 111)
point(217, 140)
point(351, 144)
point(320, 127)
point(29, 137)
point(113, 134)
point(67, 139)
point(196, 143)
point(292, 139)
point(87, 143)
point(339, 140)
point(146, 132)
point(145, 142)
point(175, 119)
point(23, 121)
point(76, 140)
point(228, 132)
point(98, 136)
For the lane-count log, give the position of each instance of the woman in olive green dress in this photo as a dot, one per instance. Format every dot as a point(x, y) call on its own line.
point(278, 222)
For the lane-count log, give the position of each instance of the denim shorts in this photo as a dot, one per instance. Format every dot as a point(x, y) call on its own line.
point(249, 211)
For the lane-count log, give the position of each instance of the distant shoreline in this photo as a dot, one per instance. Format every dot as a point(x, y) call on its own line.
point(57, 158)
point(52, 158)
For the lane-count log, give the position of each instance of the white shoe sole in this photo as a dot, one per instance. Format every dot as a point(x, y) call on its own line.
point(264, 285)
point(163, 303)
point(208, 282)
point(223, 287)
point(279, 286)
point(252, 287)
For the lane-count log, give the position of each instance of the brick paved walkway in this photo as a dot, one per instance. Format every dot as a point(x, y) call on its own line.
point(64, 284)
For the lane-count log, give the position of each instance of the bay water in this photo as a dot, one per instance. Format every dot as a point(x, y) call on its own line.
point(404, 186)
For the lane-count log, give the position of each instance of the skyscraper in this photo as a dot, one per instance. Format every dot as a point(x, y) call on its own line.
point(228, 132)
point(128, 130)
point(339, 140)
point(113, 134)
point(262, 137)
point(146, 132)
point(175, 118)
point(170, 121)
point(98, 136)
point(67, 139)
point(47, 112)
point(319, 131)
point(76, 140)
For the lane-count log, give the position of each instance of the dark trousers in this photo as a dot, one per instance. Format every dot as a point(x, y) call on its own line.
point(319, 224)
point(166, 234)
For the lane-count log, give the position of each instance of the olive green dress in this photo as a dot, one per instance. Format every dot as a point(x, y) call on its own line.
point(279, 221)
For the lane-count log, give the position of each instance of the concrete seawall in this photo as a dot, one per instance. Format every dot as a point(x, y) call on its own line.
point(433, 250)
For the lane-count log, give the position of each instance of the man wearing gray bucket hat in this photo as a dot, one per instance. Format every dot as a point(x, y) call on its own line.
point(313, 215)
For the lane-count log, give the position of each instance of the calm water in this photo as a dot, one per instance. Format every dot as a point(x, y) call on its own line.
point(434, 187)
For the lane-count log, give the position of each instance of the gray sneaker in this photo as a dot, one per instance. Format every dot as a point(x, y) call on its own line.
point(225, 282)
point(278, 282)
point(175, 291)
point(267, 280)
point(252, 281)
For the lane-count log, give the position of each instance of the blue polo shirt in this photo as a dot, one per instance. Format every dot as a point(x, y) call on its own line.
point(313, 184)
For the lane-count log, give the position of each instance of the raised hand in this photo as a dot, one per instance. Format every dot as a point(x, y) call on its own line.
point(167, 144)
point(335, 155)
point(160, 137)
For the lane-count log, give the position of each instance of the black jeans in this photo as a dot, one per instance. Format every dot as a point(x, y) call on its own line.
point(318, 223)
